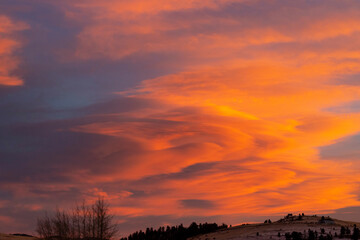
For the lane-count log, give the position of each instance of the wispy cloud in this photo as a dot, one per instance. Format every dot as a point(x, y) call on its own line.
point(179, 111)
point(8, 45)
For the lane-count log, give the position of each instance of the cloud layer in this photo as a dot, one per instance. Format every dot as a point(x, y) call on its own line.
point(226, 111)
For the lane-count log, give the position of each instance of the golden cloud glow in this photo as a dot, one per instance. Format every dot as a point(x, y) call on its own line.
point(250, 104)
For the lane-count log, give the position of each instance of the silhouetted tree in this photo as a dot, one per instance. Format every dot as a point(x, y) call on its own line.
point(287, 236)
point(83, 222)
point(311, 235)
point(175, 232)
point(356, 233)
point(342, 231)
point(296, 236)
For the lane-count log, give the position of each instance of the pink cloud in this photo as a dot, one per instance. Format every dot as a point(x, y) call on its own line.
point(8, 45)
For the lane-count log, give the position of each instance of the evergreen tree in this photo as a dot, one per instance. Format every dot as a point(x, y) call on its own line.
point(356, 233)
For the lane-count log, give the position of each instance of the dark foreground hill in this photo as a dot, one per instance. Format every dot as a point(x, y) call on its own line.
point(290, 227)
point(16, 237)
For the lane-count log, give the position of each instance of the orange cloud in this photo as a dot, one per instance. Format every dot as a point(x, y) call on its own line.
point(121, 29)
point(258, 123)
point(149, 7)
point(8, 45)
point(263, 145)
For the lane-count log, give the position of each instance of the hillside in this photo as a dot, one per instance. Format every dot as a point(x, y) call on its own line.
point(15, 237)
point(285, 225)
point(270, 230)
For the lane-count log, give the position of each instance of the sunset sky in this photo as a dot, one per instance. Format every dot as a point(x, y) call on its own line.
point(178, 111)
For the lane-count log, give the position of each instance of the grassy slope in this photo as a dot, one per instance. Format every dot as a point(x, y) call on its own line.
point(270, 231)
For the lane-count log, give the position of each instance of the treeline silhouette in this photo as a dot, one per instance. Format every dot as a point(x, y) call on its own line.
point(178, 232)
point(84, 222)
point(345, 232)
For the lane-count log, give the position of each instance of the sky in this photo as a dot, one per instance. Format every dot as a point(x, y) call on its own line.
point(178, 111)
